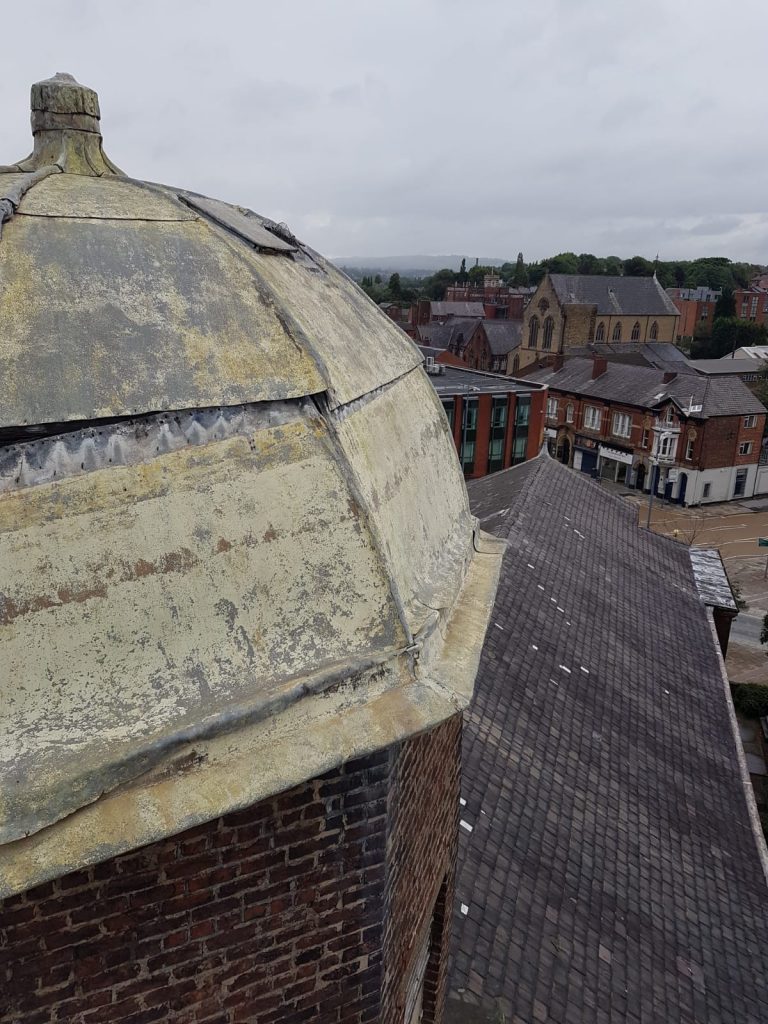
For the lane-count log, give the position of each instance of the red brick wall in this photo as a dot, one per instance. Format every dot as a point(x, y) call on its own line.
point(424, 821)
point(719, 445)
point(536, 423)
point(275, 913)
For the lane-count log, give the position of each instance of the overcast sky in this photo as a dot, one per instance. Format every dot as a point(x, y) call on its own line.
point(430, 126)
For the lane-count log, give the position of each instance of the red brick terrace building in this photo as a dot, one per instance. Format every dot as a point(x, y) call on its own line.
point(697, 439)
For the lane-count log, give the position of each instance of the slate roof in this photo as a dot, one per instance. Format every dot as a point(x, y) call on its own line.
point(503, 335)
point(615, 296)
point(641, 386)
point(658, 354)
point(474, 309)
point(612, 874)
point(452, 334)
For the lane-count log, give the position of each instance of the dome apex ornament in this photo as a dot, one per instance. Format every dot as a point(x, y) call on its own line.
point(65, 126)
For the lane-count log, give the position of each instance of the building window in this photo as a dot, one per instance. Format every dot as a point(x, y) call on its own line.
point(622, 424)
point(533, 332)
point(498, 432)
point(468, 435)
point(592, 417)
point(551, 408)
point(616, 336)
point(705, 492)
point(704, 312)
point(635, 336)
point(654, 331)
point(669, 415)
point(600, 332)
point(569, 413)
point(667, 446)
point(745, 448)
point(549, 326)
point(644, 439)
point(741, 483)
point(515, 364)
point(520, 437)
point(689, 449)
point(750, 421)
point(746, 377)
point(450, 411)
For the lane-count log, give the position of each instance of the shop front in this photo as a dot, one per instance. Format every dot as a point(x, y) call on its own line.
point(615, 464)
point(585, 454)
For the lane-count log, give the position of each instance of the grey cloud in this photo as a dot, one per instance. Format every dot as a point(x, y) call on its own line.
point(425, 125)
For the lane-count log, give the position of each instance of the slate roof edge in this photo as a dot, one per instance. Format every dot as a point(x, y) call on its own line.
point(741, 760)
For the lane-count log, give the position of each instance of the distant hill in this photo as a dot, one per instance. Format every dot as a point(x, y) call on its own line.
point(408, 266)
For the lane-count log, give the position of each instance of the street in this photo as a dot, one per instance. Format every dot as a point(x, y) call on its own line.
point(746, 631)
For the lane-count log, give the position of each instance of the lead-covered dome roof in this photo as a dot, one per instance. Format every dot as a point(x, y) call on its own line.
point(235, 541)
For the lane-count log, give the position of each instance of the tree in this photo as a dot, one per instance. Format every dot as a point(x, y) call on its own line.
point(760, 387)
point(463, 271)
point(730, 333)
point(679, 274)
point(536, 272)
point(637, 266)
point(563, 263)
point(520, 276)
point(435, 285)
point(589, 264)
point(725, 305)
point(613, 266)
point(394, 288)
point(477, 273)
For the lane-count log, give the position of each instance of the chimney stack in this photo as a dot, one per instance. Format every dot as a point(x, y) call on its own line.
point(599, 366)
point(558, 362)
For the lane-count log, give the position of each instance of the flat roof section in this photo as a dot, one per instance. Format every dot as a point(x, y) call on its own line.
point(458, 381)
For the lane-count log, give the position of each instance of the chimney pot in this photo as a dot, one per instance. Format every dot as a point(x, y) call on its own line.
point(599, 366)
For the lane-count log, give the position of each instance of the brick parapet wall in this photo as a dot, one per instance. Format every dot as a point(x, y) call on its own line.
point(275, 913)
point(422, 847)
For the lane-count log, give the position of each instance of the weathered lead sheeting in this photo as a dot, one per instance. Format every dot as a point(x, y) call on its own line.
point(192, 587)
point(137, 317)
point(242, 222)
point(401, 451)
point(63, 195)
point(239, 551)
point(358, 347)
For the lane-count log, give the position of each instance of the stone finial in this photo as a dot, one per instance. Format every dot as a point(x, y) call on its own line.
point(61, 103)
point(65, 126)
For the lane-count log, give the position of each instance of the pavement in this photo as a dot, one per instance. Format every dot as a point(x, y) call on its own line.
point(746, 629)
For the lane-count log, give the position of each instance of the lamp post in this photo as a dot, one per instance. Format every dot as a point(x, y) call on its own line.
point(654, 462)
